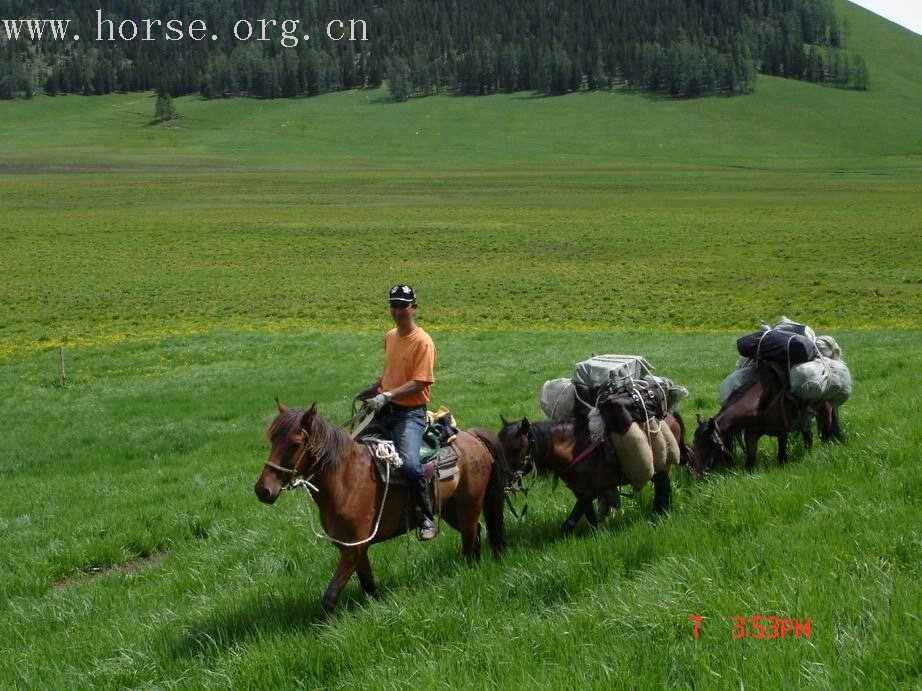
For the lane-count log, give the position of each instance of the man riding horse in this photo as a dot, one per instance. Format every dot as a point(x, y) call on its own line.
point(400, 395)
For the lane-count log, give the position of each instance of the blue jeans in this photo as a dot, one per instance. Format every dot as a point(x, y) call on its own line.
point(405, 427)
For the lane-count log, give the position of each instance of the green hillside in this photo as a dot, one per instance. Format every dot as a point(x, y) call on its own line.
point(784, 123)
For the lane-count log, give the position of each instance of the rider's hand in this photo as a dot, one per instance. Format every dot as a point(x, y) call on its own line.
point(379, 401)
point(365, 394)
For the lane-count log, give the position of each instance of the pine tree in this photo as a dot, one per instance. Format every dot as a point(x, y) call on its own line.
point(860, 79)
point(398, 80)
point(25, 79)
point(51, 84)
point(164, 110)
point(7, 80)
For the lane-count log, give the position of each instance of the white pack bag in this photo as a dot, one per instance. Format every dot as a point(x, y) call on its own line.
point(558, 399)
point(823, 379)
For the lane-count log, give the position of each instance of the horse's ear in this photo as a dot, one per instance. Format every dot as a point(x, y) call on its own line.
point(700, 420)
point(308, 414)
point(503, 420)
point(281, 406)
point(524, 426)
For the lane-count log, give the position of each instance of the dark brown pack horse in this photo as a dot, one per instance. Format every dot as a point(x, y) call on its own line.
point(351, 496)
point(764, 408)
point(549, 447)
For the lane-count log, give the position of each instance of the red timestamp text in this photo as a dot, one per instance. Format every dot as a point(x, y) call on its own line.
point(761, 627)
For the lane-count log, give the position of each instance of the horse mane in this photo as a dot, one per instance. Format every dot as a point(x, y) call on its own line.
point(326, 441)
point(543, 435)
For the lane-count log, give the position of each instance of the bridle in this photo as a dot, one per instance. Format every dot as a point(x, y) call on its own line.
point(294, 483)
point(517, 484)
point(528, 464)
point(295, 470)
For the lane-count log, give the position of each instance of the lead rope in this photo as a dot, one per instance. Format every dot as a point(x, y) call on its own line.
point(308, 487)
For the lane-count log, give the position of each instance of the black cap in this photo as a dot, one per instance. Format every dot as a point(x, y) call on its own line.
point(402, 293)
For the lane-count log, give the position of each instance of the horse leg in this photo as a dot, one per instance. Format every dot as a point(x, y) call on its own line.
point(806, 428)
point(348, 560)
point(752, 448)
point(367, 580)
point(808, 436)
point(783, 448)
point(662, 492)
point(582, 508)
point(579, 509)
point(590, 515)
point(470, 540)
point(610, 499)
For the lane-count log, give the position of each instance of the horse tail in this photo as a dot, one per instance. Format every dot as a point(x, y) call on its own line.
point(836, 427)
point(683, 447)
point(494, 501)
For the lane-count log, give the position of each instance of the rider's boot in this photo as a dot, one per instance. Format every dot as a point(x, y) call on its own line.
point(427, 529)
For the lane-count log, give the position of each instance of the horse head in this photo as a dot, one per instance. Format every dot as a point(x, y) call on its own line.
point(290, 452)
point(514, 438)
point(708, 447)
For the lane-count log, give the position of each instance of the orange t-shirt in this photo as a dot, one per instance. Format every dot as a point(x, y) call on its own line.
point(406, 358)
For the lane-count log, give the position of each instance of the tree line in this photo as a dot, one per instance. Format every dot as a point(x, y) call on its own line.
point(680, 48)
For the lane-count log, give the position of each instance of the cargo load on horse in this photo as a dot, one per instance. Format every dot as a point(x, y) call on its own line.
point(813, 364)
point(631, 375)
point(786, 377)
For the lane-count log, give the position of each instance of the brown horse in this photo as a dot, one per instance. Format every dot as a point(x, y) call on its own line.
point(351, 496)
point(763, 408)
point(550, 447)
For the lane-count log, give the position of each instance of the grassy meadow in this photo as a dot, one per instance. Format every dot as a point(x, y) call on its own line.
point(191, 272)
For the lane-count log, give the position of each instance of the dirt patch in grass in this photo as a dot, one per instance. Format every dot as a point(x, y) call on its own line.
point(133, 566)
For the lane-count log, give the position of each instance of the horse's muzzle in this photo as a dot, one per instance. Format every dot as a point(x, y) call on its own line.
point(264, 494)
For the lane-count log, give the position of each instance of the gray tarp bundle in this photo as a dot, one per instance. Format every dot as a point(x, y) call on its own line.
point(558, 396)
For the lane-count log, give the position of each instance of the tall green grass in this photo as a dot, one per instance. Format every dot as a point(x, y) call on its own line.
point(152, 450)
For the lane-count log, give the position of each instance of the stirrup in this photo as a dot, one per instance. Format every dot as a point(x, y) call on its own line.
point(424, 534)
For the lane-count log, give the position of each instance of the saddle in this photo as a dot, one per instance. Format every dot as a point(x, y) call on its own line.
point(437, 453)
point(644, 400)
